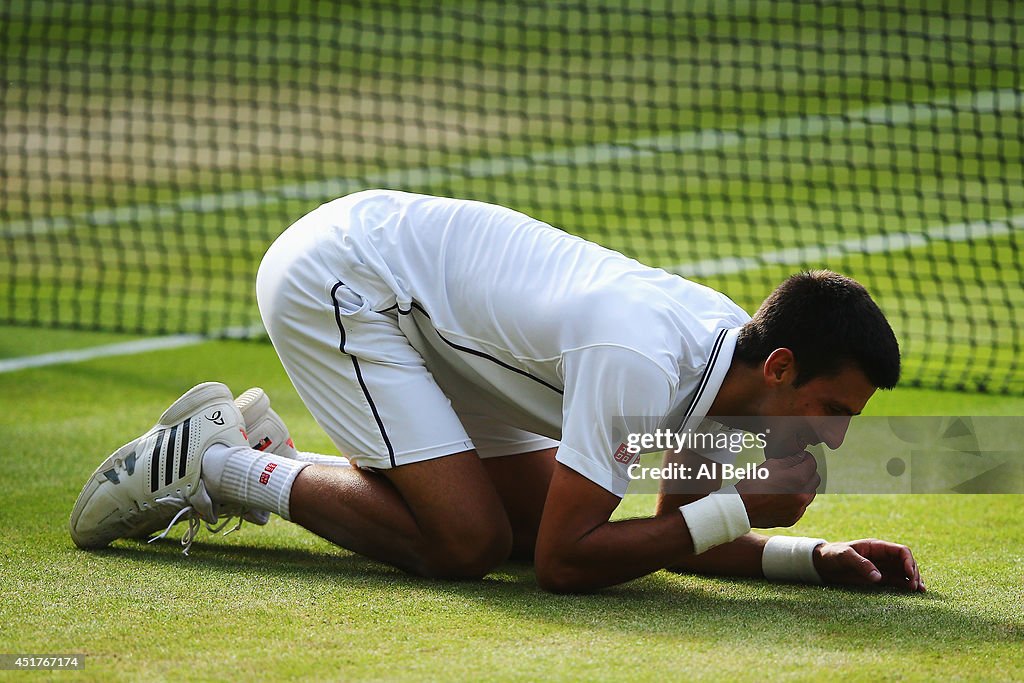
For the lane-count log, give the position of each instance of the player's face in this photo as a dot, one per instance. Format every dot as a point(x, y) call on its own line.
point(827, 403)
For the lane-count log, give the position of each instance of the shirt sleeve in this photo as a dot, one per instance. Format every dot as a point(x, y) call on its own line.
point(610, 393)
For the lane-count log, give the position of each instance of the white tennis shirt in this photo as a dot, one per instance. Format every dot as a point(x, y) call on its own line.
point(537, 328)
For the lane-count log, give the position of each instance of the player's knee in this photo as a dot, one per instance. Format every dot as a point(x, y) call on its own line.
point(470, 554)
point(555, 577)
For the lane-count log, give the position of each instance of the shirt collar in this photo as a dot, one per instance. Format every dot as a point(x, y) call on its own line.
point(695, 406)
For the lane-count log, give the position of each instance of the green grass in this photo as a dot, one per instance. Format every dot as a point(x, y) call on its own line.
point(278, 603)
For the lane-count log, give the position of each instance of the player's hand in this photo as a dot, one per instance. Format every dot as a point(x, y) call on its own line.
point(868, 562)
point(781, 498)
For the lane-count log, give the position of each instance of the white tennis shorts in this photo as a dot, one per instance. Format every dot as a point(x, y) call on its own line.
point(365, 384)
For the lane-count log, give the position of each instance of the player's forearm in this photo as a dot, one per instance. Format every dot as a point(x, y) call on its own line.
point(741, 557)
point(612, 553)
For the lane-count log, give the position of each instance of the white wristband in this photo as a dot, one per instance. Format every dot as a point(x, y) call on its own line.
point(716, 519)
point(790, 558)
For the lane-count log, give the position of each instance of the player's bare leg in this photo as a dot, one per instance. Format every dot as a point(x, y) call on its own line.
point(440, 518)
point(522, 484)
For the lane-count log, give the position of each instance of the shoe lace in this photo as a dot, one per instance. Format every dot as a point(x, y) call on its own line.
point(227, 520)
point(196, 518)
point(195, 523)
point(190, 514)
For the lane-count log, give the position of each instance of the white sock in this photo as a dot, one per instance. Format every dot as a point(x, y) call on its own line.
point(241, 475)
point(317, 459)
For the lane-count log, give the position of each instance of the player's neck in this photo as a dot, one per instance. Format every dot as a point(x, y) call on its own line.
point(738, 397)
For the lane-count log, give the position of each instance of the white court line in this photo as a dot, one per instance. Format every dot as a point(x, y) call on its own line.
point(120, 349)
point(873, 244)
point(793, 127)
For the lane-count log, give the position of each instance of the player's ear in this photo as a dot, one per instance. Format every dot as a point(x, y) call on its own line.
point(779, 367)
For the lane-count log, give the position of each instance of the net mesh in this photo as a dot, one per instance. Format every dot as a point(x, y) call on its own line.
point(151, 150)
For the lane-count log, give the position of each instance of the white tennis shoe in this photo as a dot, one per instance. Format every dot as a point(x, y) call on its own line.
point(154, 481)
point(266, 430)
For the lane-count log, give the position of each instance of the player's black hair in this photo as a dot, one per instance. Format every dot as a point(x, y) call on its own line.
point(828, 321)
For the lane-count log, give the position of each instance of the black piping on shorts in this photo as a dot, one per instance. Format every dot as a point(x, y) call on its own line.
point(359, 373)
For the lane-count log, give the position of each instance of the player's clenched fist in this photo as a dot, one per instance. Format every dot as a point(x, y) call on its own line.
point(780, 498)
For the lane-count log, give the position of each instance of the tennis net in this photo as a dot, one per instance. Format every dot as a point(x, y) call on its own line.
point(152, 150)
